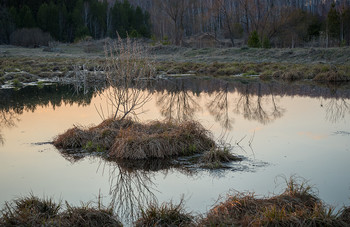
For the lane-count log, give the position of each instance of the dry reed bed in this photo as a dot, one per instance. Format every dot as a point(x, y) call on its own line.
point(296, 206)
point(32, 211)
point(127, 139)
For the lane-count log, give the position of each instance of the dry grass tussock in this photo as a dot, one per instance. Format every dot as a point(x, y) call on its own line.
point(32, 211)
point(127, 139)
point(166, 214)
point(296, 206)
point(217, 156)
point(161, 140)
point(88, 216)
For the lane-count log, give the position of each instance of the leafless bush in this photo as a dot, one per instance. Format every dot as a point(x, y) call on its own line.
point(30, 37)
point(128, 67)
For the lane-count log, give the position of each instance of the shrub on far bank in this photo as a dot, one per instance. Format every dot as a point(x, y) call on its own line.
point(253, 40)
point(30, 37)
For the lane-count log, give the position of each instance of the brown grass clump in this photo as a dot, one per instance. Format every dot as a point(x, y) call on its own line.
point(161, 140)
point(297, 206)
point(126, 139)
point(99, 137)
point(87, 216)
point(331, 76)
point(166, 214)
point(72, 138)
point(215, 157)
point(32, 211)
point(29, 211)
point(345, 215)
point(292, 75)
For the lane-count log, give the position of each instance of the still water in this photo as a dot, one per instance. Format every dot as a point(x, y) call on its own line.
point(280, 130)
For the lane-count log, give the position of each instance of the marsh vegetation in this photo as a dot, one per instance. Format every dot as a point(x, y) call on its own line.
point(297, 205)
point(172, 142)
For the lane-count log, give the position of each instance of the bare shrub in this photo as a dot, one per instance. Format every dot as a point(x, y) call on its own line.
point(128, 67)
point(30, 37)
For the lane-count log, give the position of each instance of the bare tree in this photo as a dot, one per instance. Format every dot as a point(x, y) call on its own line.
point(175, 10)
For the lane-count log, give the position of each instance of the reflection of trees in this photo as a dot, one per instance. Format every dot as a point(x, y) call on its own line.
point(219, 107)
point(29, 98)
point(255, 107)
point(131, 181)
point(177, 103)
point(130, 190)
point(13, 103)
point(132, 186)
point(8, 119)
point(336, 109)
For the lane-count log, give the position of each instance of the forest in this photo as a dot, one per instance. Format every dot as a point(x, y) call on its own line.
point(256, 23)
point(71, 20)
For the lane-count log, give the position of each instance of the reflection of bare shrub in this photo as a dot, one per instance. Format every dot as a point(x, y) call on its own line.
point(30, 37)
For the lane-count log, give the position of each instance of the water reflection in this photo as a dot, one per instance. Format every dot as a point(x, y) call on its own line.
point(14, 102)
point(177, 102)
point(130, 190)
point(336, 109)
point(8, 119)
point(132, 184)
point(219, 108)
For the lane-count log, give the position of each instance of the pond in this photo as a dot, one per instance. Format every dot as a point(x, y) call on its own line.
point(281, 129)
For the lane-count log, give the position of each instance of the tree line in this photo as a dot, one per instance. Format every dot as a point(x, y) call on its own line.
point(70, 20)
point(281, 23)
point(258, 23)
